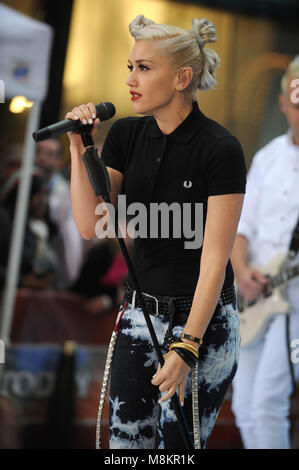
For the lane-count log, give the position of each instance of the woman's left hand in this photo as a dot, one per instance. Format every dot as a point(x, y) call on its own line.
point(173, 374)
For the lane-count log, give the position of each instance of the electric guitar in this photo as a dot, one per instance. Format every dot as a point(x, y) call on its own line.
point(255, 315)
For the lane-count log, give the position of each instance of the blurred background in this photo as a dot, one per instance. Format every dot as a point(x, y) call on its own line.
point(67, 289)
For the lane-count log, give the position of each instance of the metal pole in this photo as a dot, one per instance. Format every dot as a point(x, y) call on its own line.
point(18, 229)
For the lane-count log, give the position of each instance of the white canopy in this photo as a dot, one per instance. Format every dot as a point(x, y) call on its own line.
point(25, 46)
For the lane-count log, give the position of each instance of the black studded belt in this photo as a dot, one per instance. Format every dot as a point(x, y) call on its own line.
point(179, 306)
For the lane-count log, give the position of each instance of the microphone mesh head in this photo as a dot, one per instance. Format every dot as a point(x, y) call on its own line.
point(105, 110)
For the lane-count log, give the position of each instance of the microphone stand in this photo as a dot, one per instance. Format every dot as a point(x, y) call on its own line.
point(100, 181)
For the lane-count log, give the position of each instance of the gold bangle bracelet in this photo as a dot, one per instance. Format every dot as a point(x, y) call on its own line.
point(188, 347)
point(184, 346)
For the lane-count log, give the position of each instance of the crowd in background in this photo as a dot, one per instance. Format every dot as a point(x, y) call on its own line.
point(55, 256)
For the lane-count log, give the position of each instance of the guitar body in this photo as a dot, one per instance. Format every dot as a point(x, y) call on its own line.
point(255, 319)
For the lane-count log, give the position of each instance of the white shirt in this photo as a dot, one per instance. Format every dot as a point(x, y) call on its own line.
point(62, 213)
point(271, 204)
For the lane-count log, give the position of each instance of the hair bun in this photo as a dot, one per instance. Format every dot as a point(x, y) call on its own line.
point(204, 31)
point(138, 23)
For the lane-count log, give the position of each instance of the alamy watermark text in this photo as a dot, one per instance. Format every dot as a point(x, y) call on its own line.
point(155, 220)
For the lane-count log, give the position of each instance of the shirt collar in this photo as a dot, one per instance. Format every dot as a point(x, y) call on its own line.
point(290, 141)
point(185, 131)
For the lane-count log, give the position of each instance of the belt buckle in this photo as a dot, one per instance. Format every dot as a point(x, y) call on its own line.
point(157, 302)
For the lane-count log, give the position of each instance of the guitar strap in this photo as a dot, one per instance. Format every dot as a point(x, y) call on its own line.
point(294, 245)
point(293, 250)
point(294, 385)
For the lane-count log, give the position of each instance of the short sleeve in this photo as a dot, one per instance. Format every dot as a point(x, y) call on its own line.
point(259, 166)
point(113, 153)
point(225, 168)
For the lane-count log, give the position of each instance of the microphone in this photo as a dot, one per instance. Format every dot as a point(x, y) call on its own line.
point(104, 111)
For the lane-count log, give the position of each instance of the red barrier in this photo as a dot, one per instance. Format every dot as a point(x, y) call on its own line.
point(55, 317)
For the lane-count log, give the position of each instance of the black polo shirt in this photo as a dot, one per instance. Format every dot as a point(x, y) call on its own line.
point(197, 160)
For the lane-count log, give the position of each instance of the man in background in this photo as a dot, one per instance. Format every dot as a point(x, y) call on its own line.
point(69, 245)
point(263, 383)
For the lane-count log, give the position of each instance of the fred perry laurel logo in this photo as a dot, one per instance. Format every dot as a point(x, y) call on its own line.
point(187, 184)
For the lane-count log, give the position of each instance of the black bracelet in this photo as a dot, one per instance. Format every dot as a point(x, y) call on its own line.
point(187, 356)
point(191, 338)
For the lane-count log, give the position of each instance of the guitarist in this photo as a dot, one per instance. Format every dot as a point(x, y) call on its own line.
point(263, 385)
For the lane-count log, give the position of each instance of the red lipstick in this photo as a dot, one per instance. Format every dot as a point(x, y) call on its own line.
point(134, 95)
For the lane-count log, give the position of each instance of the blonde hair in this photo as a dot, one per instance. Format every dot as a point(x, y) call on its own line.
point(185, 48)
point(291, 71)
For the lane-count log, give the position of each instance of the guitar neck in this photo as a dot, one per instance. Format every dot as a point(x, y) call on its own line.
point(283, 276)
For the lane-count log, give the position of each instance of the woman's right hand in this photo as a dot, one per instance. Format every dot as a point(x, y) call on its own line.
point(86, 113)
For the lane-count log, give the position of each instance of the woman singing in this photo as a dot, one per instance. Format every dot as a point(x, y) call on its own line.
point(172, 154)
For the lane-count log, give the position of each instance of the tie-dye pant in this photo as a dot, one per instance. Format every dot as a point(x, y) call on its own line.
point(137, 420)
